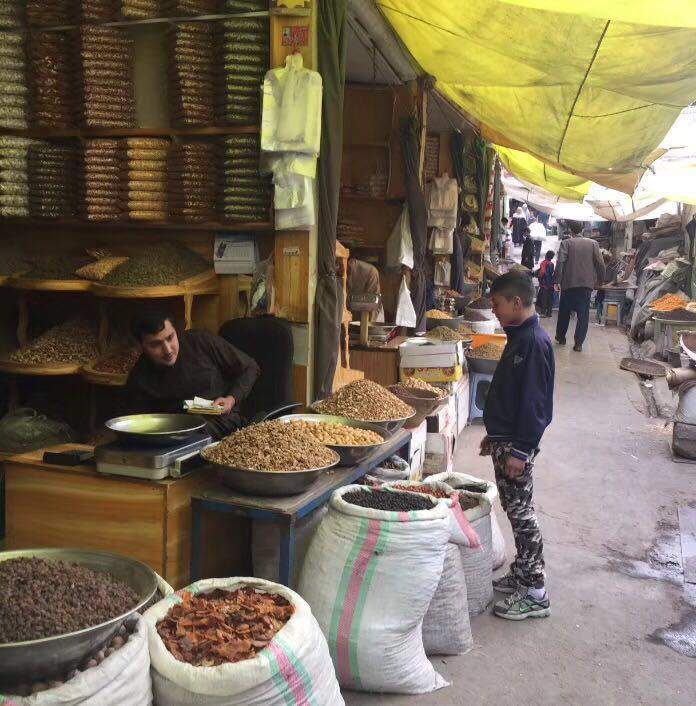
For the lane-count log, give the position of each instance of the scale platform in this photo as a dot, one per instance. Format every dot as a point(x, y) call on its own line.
point(151, 462)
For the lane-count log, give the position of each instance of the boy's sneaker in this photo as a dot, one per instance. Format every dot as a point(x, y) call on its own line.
point(506, 584)
point(520, 606)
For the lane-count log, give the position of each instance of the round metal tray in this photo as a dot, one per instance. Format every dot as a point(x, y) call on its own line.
point(156, 429)
point(348, 455)
point(48, 657)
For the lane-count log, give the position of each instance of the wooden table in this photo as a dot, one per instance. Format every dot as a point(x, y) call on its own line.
point(60, 506)
point(284, 511)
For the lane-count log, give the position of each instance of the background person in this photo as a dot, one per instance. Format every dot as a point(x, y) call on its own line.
point(545, 275)
point(527, 258)
point(579, 270)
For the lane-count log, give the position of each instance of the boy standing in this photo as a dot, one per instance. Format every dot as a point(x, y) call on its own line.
point(518, 409)
point(546, 289)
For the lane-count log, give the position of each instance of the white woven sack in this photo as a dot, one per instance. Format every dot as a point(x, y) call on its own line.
point(122, 678)
point(295, 668)
point(458, 480)
point(370, 576)
point(478, 566)
point(446, 626)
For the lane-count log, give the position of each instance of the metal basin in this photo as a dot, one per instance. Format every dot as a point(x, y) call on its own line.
point(453, 323)
point(268, 483)
point(156, 429)
point(348, 455)
point(49, 657)
point(423, 401)
point(388, 426)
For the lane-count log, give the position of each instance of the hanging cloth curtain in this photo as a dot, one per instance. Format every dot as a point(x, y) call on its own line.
point(331, 42)
point(418, 214)
point(458, 255)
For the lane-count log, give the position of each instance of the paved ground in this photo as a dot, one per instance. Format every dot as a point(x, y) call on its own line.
point(607, 493)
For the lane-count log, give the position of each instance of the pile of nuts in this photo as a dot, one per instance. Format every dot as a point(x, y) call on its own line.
point(481, 303)
point(365, 400)
point(465, 329)
point(488, 351)
point(444, 333)
point(223, 627)
point(271, 446)
point(118, 363)
point(475, 315)
point(423, 489)
point(74, 341)
point(337, 434)
point(418, 384)
point(437, 314)
point(41, 598)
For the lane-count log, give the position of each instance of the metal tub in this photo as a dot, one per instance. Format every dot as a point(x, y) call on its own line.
point(49, 657)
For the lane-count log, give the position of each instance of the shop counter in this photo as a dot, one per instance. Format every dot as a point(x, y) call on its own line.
point(58, 506)
point(284, 512)
point(379, 361)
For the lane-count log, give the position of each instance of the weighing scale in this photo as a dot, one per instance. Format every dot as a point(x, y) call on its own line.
point(151, 462)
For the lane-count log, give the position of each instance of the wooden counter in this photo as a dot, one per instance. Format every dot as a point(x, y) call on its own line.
point(59, 506)
point(379, 361)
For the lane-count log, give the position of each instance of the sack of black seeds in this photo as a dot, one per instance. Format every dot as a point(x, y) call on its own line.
point(122, 677)
point(369, 576)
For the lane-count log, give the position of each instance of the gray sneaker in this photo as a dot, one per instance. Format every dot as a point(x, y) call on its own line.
point(520, 606)
point(506, 584)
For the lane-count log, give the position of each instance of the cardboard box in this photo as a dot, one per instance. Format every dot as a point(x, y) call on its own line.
point(439, 451)
point(462, 399)
point(419, 353)
point(432, 374)
point(417, 450)
point(443, 416)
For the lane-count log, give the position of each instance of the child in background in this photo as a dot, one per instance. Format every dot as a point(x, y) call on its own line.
point(545, 276)
point(519, 407)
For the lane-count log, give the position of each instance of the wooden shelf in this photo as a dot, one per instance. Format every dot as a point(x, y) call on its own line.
point(210, 131)
point(134, 225)
point(46, 370)
point(48, 285)
point(204, 283)
point(96, 377)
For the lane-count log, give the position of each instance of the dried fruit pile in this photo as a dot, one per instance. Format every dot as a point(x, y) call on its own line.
point(119, 362)
point(475, 315)
point(444, 333)
point(223, 626)
point(74, 341)
point(41, 598)
point(488, 351)
point(387, 500)
point(669, 302)
point(437, 314)
point(271, 446)
point(366, 401)
point(337, 434)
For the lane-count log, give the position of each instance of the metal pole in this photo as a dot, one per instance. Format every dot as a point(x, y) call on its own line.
point(495, 225)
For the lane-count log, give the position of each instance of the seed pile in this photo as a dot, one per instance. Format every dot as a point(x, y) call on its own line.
point(466, 502)
point(423, 489)
point(488, 351)
point(271, 446)
point(669, 302)
point(465, 329)
point(41, 598)
point(481, 303)
point(366, 401)
point(411, 383)
point(677, 315)
point(223, 627)
point(444, 333)
point(337, 434)
point(94, 660)
point(474, 315)
point(13, 259)
point(387, 500)
point(437, 314)
point(57, 266)
point(160, 264)
point(74, 341)
point(96, 271)
point(118, 363)
point(13, 84)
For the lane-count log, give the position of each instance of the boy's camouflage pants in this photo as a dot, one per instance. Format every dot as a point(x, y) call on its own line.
point(517, 501)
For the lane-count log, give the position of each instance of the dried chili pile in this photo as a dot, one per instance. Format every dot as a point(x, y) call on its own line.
point(223, 626)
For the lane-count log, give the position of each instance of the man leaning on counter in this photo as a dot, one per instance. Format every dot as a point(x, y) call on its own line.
point(173, 368)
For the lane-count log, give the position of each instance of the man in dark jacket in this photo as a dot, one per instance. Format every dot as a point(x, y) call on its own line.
point(519, 407)
point(579, 270)
point(527, 258)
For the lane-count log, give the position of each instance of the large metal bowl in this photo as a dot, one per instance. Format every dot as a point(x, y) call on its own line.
point(49, 657)
point(388, 426)
point(423, 401)
point(453, 323)
point(156, 429)
point(348, 455)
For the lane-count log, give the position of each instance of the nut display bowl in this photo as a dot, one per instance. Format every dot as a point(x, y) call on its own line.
point(423, 401)
point(48, 657)
point(348, 455)
point(388, 426)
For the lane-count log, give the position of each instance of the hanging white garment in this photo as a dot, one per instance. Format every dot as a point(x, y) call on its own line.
point(291, 119)
point(293, 199)
point(442, 199)
point(443, 273)
point(441, 241)
point(400, 243)
point(405, 312)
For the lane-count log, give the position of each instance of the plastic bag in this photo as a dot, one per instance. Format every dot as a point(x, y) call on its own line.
point(122, 678)
point(405, 313)
point(24, 429)
point(400, 243)
point(369, 576)
point(295, 668)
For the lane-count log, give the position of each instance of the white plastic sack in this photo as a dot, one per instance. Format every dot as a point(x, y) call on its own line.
point(490, 491)
point(294, 669)
point(405, 313)
point(446, 626)
point(478, 565)
point(122, 678)
point(369, 576)
point(265, 545)
point(400, 243)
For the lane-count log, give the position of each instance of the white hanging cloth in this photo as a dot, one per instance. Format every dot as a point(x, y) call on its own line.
point(405, 312)
point(291, 118)
point(441, 241)
point(442, 199)
point(442, 273)
point(400, 243)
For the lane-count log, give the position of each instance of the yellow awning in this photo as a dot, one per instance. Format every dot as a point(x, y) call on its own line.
point(588, 96)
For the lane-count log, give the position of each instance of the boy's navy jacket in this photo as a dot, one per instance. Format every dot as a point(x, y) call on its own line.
point(519, 405)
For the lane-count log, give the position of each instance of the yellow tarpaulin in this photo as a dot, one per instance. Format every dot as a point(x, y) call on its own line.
point(528, 168)
point(590, 96)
